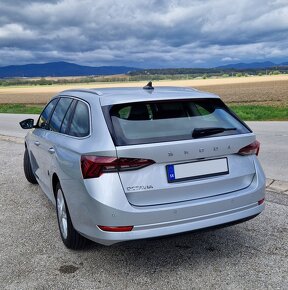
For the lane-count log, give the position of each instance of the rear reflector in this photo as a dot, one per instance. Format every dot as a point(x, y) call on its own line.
point(116, 229)
point(261, 201)
point(250, 149)
point(95, 166)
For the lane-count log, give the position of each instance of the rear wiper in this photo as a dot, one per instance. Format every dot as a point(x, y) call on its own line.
point(202, 132)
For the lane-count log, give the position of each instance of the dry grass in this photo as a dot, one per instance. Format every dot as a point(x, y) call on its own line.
point(266, 90)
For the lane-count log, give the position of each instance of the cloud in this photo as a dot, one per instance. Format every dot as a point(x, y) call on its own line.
point(229, 59)
point(150, 33)
point(13, 31)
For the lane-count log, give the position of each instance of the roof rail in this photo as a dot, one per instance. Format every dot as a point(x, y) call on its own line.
point(84, 91)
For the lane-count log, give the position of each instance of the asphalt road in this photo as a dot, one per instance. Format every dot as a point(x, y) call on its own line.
point(9, 124)
point(272, 135)
point(252, 255)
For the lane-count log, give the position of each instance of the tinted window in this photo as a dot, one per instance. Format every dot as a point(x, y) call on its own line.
point(148, 122)
point(67, 118)
point(80, 123)
point(44, 117)
point(59, 114)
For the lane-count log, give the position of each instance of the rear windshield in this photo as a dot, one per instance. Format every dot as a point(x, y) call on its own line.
point(160, 121)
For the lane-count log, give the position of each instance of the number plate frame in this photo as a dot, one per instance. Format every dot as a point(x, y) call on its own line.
point(212, 167)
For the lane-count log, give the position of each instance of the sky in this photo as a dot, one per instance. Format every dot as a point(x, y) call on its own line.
point(143, 33)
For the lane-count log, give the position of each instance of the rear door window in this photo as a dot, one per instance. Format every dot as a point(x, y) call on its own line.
point(59, 114)
point(80, 125)
point(160, 121)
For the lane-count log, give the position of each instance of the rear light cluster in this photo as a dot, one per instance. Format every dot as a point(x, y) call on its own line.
point(250, 149)
point(95, 166)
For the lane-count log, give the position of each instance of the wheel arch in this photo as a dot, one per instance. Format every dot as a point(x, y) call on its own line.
point(55, 181)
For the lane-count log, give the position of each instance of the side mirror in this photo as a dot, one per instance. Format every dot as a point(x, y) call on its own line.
point(27, 124)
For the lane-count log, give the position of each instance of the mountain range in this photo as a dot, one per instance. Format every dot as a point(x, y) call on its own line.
point(64, 69)
point(60, 69)
point(252, 65)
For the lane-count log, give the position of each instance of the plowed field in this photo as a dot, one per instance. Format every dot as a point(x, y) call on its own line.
point(270, 90)
point(274, 93)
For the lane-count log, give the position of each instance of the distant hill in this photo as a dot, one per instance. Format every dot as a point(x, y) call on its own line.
point(60, 69)
point(252, 65)
point(65, 69)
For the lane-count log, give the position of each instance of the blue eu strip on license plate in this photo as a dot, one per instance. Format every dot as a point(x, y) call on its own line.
point(171, 172)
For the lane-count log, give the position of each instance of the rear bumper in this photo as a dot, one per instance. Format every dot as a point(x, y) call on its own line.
point(176, 227)
point(112, 209)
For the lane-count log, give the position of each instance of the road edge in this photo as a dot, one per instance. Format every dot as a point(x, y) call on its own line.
point(18, 140)
point(277, 185)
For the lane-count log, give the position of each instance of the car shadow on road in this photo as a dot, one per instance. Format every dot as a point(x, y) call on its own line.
point(169, 254)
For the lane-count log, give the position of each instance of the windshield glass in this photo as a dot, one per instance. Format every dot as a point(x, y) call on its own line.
point(159, 121)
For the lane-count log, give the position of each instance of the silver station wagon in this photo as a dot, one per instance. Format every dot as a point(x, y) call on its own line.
point(131, 163)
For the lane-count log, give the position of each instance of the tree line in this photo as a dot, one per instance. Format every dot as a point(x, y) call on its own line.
point(145, 75)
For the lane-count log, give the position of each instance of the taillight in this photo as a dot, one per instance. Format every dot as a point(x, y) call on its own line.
point(95, 166)
point(250, 149)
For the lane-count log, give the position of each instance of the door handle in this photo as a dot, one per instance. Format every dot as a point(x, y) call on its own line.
point(51, 150)
point(37, 143)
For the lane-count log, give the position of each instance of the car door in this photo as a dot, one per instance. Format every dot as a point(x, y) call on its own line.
point(50, 140)
point(37, 140)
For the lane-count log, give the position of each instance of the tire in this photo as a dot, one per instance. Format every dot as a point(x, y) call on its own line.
point(70, 237)
point(28, 169)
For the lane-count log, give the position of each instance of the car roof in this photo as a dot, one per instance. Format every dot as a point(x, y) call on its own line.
point(119, 95)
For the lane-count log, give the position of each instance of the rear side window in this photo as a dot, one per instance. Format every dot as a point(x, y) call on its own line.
point(59, 114)
point(67, 117)
point(44, 117)
point(80, 122)
point(160, 121)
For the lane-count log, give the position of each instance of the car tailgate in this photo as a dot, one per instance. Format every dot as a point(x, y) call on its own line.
point(152, 186)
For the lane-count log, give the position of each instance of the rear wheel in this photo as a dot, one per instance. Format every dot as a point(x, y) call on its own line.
point(70, 237)
point(28, 169)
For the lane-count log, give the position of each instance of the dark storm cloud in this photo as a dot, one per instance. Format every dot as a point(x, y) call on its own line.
point(146, 33)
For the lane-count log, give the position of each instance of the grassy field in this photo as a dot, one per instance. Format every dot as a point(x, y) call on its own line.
point(260, 113)
point(21, 108)
point(252, 98)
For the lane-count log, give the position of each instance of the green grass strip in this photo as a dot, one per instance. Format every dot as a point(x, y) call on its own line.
point(20, 109)
point(261, 113)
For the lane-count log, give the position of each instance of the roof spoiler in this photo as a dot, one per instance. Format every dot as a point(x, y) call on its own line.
point(149, 86)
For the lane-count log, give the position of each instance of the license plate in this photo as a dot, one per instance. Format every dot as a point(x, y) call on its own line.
point(197, 169)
